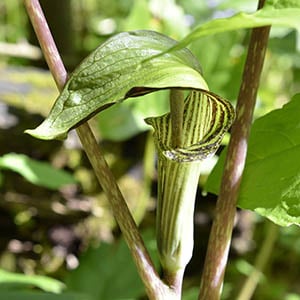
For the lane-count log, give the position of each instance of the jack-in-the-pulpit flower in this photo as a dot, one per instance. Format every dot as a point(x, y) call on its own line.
point(135, 63)
point(206, 118)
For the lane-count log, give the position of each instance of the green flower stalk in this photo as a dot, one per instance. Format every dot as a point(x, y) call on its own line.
point(177, 189)
point(206, 118)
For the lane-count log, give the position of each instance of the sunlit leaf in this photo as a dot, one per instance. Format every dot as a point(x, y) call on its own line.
point(271, 180)
point(36, 172)
point(121, 67)
point(284, 16)
point(283, 3)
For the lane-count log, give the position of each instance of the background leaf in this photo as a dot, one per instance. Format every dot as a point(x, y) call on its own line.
point(22, 295)
point(108, 272)
point(9, 280)
point(120, 122)
point(286, 16)
point(36, 172)
point(271, 180)
point(222, 74)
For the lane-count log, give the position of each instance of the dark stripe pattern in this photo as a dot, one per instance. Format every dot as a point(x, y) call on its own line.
point(206, 119)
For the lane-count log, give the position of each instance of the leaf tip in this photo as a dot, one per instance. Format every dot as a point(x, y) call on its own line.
point(45, 132)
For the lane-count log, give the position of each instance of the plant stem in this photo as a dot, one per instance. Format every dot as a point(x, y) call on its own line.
point(155, 288)
point(174, 279)
point(260, 262)
point(121, 212)
point(46, 42)
point(176, 113)
point(220, 236)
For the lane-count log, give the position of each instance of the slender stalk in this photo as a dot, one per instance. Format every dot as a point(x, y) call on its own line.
point(122, 214)
point(176, 112)
point(177, 186)
point(174, 278)
point(154, 286)
point(261, 261)
point(46, 42)
point(220, 236)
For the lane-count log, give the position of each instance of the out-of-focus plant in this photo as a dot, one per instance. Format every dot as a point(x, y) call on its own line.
point(36, 172)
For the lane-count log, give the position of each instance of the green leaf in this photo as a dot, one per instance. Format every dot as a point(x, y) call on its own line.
point(224, 72)
point(13, 280)
point(139, 16)
point(22, 295)
point(108, 272)
point(36, 172)
point(190, 294)
point(286, 16)
point(271, 180)
point(283, 3)
point(121, 67)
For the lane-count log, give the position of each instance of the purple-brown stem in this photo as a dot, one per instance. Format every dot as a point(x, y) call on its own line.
point(155, 288)
point(220, 236)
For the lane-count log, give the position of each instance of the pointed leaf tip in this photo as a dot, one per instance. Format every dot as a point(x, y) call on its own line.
point(46, 132)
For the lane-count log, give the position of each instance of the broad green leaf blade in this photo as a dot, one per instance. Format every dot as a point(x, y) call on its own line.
point(282, 4)
point(36, 172)
point(284, 17)
point(108, 271)
point(121, 67)
point(43, 282)
point(271, 180)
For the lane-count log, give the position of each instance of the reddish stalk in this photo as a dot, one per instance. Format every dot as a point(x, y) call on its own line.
point(220, 236)
point(155, 288)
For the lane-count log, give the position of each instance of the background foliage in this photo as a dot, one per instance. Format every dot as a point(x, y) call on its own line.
point(47, 232)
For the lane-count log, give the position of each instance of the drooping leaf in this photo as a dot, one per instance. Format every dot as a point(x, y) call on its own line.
point(278, 4)
point(271, 180)
point(36, 172)
point(283, 15)
point(13, 280)
point(121, 67)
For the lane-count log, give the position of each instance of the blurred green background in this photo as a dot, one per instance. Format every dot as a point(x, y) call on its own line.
point(56, 226)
